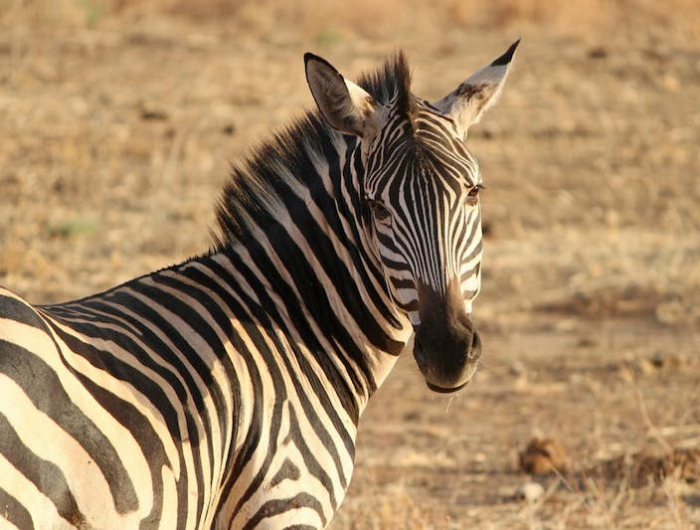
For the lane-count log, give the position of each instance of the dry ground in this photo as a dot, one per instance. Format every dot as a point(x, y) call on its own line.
point(117, 123)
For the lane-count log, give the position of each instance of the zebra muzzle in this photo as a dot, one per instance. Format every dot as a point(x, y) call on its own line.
point(447, 346)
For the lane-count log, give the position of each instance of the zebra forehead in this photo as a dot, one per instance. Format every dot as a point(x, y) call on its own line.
point(426, 161)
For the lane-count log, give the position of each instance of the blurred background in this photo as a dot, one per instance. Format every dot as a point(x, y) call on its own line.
point(118, 122)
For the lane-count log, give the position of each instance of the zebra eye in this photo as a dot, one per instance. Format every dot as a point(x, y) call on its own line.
point(381, 212)
point(473, 195)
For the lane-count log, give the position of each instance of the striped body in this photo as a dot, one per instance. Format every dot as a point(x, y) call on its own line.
point(225, 392)
point(154, 395)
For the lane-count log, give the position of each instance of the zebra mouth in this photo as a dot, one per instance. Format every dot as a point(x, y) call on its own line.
point(442, 390)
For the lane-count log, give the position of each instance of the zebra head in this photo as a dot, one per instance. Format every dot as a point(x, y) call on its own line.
point(419, 186)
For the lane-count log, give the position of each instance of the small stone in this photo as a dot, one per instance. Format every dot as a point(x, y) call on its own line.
point(530, 491)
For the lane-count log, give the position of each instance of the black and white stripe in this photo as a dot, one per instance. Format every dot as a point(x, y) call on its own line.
point(225, 392)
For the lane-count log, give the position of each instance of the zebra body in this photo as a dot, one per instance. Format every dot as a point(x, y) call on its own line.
point(225, 392)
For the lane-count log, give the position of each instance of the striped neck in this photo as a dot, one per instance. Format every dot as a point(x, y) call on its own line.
point(302, 240)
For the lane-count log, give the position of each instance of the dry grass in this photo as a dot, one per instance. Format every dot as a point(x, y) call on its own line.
point(118, 119)
point(328, 20)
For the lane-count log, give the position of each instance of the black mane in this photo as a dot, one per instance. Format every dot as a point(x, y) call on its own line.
point(260, 186)
point(389, 81)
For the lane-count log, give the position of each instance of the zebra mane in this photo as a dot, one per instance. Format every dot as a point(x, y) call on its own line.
point(261, 186)
point(393, 80)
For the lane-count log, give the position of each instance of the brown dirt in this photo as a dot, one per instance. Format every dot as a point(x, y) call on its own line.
point(117, 122)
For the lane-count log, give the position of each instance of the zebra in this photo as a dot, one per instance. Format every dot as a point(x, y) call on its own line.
point(226, 391)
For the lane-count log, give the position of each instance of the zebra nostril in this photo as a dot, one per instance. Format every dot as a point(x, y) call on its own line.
point(419, 352)
point(475, 349)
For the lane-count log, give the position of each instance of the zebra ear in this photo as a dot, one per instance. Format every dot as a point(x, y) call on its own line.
point(467, 103)
point(346, 107)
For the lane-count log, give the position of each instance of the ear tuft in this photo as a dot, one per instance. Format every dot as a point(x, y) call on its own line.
point(507, 57)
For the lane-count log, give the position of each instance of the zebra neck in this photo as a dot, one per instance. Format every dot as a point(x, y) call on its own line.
point(316, 309)
point(315, 284)
point(319, 290)
point(291, 229)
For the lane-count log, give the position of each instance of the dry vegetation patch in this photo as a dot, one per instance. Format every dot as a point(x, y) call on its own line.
point(118, 119)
